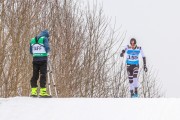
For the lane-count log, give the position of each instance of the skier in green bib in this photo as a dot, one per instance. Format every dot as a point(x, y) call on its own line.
point(39, 48)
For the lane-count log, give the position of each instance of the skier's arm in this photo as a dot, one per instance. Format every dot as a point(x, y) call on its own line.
point(30, 48)
point(122, 53)
point(144, 60)
point(46, 44)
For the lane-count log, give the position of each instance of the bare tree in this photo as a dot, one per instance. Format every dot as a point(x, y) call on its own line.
point(150, 86)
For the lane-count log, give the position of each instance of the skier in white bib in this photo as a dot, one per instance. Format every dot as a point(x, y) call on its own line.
point(132, 60)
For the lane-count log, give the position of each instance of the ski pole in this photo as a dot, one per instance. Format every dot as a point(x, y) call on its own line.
point(53, 81)
point(49, 83)
point(54, 85)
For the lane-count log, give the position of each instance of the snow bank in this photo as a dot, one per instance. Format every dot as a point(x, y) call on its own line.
point(25, 108)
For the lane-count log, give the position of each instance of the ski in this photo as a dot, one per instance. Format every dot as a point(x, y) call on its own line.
point(41, 97)
point(34, 96)
point(45, 97)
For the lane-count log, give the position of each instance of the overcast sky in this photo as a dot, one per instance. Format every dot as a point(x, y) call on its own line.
point(156, 26)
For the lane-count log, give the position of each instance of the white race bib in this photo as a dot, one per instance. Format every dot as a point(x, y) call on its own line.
point(37, 48)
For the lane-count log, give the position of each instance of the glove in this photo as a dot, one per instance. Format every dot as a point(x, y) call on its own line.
point(145, 68)
point(122, 54)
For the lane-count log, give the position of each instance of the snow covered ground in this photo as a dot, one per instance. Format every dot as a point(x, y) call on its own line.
point(25, 108)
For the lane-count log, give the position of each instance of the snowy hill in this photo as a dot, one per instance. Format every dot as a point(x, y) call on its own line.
point(25, 108)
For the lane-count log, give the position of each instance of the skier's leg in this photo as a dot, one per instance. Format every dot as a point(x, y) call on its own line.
point(34, 79)
point(43, 72)
point(35, 74)
point(136, 85)
point(130, 76)
point(131, 87)
point(135, 79)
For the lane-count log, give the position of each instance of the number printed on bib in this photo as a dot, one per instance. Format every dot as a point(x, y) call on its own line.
point(38, 49)
point(131, 57)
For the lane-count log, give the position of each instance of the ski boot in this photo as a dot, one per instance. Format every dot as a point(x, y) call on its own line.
point(132, 93)
point(135, 96)
point(136, 93)
point(34, 92)
point(43, 93)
